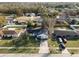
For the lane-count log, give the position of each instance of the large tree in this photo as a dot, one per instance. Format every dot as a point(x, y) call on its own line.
point(49, 19)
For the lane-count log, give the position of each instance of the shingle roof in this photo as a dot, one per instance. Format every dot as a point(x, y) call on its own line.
point(8, 32)
point(25, 19)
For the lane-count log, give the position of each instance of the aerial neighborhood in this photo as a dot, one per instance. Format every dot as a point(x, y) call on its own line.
point(39, 28)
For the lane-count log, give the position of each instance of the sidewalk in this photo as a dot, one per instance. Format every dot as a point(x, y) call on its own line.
point(65, 51)
point(44, 47)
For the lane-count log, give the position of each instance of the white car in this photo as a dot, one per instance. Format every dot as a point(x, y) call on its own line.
point(42, 36)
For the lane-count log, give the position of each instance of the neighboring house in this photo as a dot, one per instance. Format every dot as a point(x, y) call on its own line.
point(67, 33)
point(74, 20)
point(70, 12)
point(61, 20)
point(63, 16)
point(9, 33)
point(21, 20)
point(38, 21)
point(9, 19)
point(29, 14)
point(25, 19)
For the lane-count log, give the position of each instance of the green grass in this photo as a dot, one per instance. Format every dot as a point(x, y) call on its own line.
point(27, 42)
point(32, 43)
point(55, 51)
point(17, 50)
point(24, 42)
point(6, 43)
point(74, 51)
point(28, 50)
point(52, 43)
point(72, 43)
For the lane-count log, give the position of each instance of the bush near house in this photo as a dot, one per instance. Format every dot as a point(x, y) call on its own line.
point(2, 21)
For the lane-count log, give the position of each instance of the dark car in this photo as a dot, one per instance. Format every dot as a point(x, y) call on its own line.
point(64, 40)
point(62, 46)
point(59, 39)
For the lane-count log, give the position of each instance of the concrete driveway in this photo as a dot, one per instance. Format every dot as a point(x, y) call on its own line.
point(65, 51)
point(44, 47)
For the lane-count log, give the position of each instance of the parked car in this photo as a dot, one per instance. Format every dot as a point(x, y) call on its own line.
point(64, 40)
point(62, 46)
point(39, 33)
point(42, 36)
point(59, 39)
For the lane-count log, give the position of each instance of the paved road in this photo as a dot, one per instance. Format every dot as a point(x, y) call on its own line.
point(44, 47)
point(37, 47)
point(38, 55)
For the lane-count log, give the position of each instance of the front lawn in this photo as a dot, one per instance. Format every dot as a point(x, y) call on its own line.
point(74, 51)
point(22, 50)
point(52, 43)
point(27, 42)
point(72, 43)
point(6, 43)
point(31, 42)
point(31, 46)
point(23, 42)
point(54, 51)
